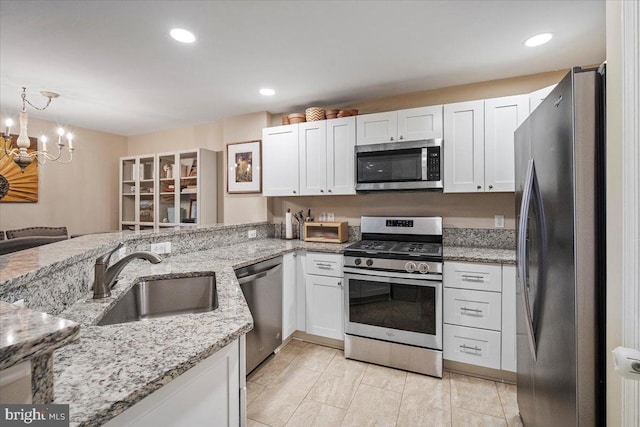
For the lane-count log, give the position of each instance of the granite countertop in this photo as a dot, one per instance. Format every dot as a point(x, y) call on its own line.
point(25, 334)
point(474, 254)
point(110, 368)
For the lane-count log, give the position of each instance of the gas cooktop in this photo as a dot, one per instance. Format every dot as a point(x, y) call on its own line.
point(381, 247)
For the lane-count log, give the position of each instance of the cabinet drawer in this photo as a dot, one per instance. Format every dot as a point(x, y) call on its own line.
point(480, 277)
point(472, 346)
point(473, 308)
point(324, 264)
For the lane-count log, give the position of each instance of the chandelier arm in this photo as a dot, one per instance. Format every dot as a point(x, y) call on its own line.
point(36, 107)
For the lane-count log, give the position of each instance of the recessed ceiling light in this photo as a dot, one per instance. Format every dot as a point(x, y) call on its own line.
point(267, 92)
point(183, 36)
point(538, 39)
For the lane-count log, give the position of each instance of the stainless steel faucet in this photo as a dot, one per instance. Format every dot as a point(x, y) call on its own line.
point(105, 277)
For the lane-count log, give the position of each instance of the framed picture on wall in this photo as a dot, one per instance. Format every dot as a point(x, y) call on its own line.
point(244, 167)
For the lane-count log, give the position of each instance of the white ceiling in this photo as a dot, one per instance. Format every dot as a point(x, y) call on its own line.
point(117, 70)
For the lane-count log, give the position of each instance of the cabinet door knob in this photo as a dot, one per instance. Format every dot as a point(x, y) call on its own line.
point(391, 139)
point(340, 284)
point(490, 187)
point(479, 187)
point(294, 191)
point(321, 190)
point(329, 190)
point(400, 137)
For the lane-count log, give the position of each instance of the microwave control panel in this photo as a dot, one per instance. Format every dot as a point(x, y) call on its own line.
point(433, 163)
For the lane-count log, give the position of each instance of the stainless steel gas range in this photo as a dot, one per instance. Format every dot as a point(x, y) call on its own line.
point(393, 295)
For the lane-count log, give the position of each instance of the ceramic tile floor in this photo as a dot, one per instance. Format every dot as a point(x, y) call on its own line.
point(311, 386)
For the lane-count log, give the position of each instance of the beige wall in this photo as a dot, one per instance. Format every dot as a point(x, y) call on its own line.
point(447, 95)
point(458, 210)
point(614, 208)
point(82, 195)
point(232, 208)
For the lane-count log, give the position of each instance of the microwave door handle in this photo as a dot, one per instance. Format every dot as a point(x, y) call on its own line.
point(424, 163)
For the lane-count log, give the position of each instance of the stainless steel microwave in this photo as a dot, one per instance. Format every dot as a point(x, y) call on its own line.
point(399, 166)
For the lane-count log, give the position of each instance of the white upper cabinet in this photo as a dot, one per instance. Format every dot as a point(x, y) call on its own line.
point(377, 128)
point(479, 144)
point(280, 157)
point(464, 147)
point(413, 124)
point(312, 147)
point(416, 124)
point(502, 116)
point(341, 140)
point(536, 98)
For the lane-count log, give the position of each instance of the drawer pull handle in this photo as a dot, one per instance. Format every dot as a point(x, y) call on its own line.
point(465, 310)
point(321, 264)
point(465, 349)
point(472, 278)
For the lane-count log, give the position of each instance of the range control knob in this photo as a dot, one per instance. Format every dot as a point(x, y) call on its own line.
point(423, 267)
point(369, 262)
point(410, 267)
point(358, 261)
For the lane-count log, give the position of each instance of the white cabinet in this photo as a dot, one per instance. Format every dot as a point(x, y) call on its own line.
point(207, 394)
point(415, 124)
point(289, 298)
point(396, 126)
point(464, 147)
point(479, 144)
point(312, 149)
point(509, 302)
point(280, 157)
point(325, 295)
point(479, 314)
point(341, 140)
point(502, 116)
point(309, 159)
point(377, 128)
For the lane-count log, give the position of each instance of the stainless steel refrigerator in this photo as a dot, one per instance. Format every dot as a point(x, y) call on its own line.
point(560, 230)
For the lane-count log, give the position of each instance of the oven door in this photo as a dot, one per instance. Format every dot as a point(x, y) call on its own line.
point(394, 307)
point(399, 166)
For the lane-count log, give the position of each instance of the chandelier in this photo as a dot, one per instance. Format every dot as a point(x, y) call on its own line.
point(24, 158)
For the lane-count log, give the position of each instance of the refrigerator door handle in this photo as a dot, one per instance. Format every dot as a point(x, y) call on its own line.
point(522, 253)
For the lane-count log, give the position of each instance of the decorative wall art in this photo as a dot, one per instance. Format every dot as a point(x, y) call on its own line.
point(16, 186)
point(244, 167)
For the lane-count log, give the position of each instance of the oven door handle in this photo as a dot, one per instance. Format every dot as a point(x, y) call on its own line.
point(418, 280)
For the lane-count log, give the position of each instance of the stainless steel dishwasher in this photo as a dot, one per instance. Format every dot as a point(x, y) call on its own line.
point(261, 284)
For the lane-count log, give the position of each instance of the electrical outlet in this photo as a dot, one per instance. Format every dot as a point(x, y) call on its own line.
point(252, 234)
point(122, 252)
point(499, 221)
point(167, 247)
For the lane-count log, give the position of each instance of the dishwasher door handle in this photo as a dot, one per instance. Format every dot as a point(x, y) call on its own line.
point(247, 279)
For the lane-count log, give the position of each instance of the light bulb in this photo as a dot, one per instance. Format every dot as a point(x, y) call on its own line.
point(538, 39)
point(8, 123)
point(183, 36)
point(60, 131)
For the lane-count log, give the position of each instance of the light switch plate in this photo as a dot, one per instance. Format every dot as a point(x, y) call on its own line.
point(122, 252)
point(252, 234)
point(499, 221)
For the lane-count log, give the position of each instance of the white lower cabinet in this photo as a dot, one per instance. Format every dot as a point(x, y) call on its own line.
point(207, 394)
point(509, 302)
point(479, 314)
point(471, 345)
point(289, 298)
point(324, 295)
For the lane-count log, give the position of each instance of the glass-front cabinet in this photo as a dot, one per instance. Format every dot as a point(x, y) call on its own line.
point(137, 193)
point(164, 190)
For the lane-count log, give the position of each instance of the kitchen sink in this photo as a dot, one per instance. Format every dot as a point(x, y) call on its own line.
point(150, 299)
